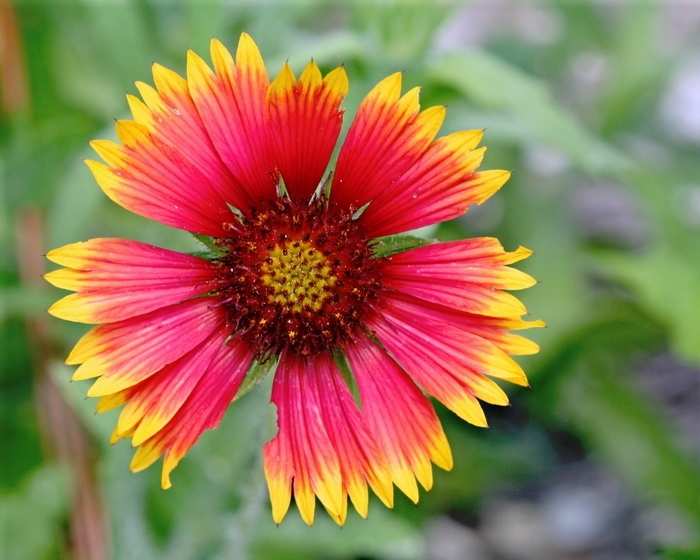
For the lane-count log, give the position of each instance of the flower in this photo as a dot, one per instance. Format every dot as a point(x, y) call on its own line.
point(303, 273)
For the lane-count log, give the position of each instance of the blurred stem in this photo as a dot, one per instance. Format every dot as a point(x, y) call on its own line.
point(14, 90)
point(62, 433)
point(247, 517)
point(252, 489)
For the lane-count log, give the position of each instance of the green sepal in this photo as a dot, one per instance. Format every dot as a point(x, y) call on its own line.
point(213, 250)
point(326, 183)
point(256, 373)
point(344, 367)
point(392, 244)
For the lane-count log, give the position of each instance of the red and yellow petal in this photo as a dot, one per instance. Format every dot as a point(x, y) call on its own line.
point(495, 330)
point(116, 279)
point(152, 403)
point(170, 114)
point(302, 455)
point(305, 120)
point(231, 103)
point(386, 138)
point(360, 458)
point(468, 275)
point(324, 447)
point(154, 180)
point(278, 459)
point(440, 185)
point(127, 352)
point(202, 410)
point(400, 418)
point(448, 361)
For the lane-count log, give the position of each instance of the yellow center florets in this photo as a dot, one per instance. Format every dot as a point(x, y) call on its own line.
point(298, 275)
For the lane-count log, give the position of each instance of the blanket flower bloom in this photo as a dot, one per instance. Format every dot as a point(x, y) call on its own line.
point(302, 273)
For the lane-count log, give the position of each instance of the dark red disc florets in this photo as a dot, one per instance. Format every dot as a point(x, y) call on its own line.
point(297, 277)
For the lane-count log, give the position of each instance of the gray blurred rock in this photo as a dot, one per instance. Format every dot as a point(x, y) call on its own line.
point(581, 513)
point(664, 527)
point(676, 387)
point(581, 518)
point(686, 204)
point(545, 160)
point(610, 215)
point(482, 21)
point(680, 105)
point(517, 530)
point(484, 218)
point(590, 74)
point(448, 540)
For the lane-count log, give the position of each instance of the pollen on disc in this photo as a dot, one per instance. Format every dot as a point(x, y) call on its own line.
point(299, 276)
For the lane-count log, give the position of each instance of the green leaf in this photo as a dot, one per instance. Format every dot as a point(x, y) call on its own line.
point(31, 519)
point(76, 189)
point(588, 388)
point(492, 83)
point(638, 68)
point(403, 29)
point(101, 425)
point(677, 554)
point(344, 367)
point(213, 251)
point(23, 301)
point(664, 276)
point(20, 440)
point(392, 244)
point(382, 535)
point(257, 372)
point(666, 281)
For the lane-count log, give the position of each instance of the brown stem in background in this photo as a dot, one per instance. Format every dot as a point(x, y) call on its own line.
point(14, 90)
point(64, 436)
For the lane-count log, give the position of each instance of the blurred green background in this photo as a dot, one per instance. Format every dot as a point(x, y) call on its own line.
point(595, 106)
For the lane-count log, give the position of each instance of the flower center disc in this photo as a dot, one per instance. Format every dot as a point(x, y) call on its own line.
point(298, 278)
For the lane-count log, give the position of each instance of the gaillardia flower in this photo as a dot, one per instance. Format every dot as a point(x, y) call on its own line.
point(301, 273)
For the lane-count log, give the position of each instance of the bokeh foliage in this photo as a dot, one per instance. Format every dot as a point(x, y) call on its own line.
point(609, 304)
